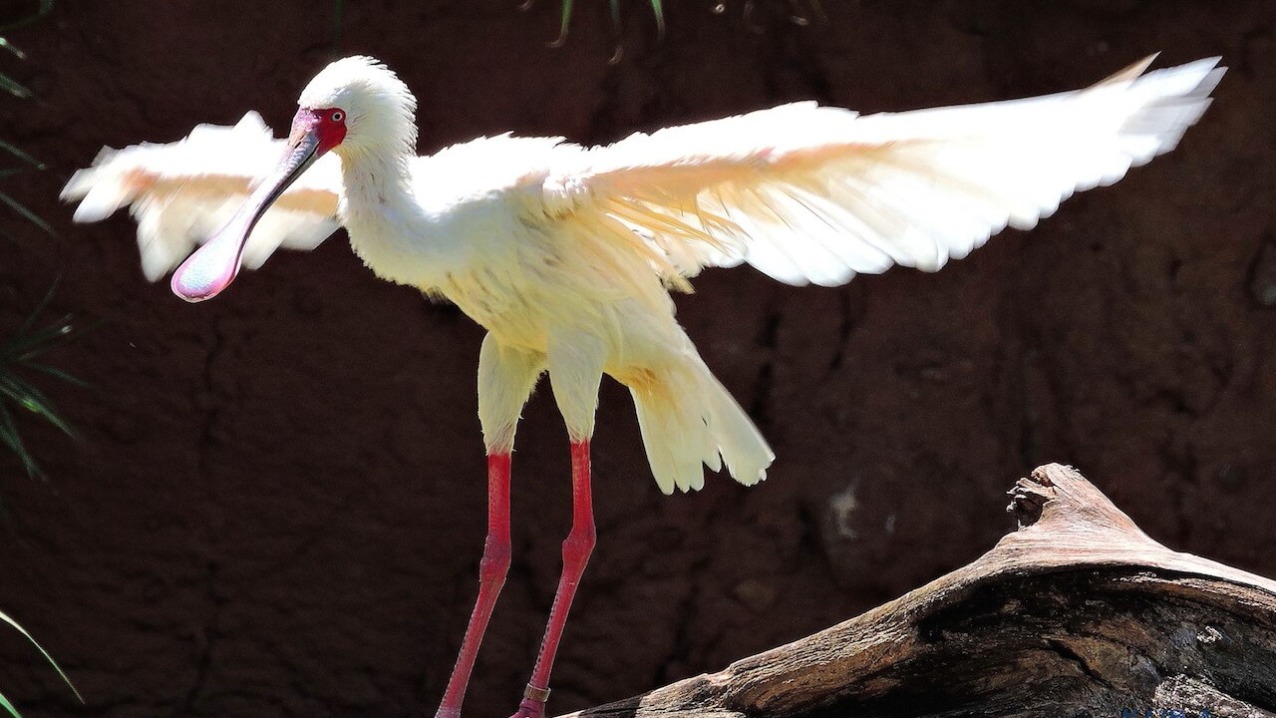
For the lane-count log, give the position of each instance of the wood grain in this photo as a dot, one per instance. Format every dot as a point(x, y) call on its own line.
point(1078, 612)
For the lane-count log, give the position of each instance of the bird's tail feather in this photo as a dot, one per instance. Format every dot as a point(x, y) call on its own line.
point(688, 420)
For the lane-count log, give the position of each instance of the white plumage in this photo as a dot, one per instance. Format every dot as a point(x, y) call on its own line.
point(183, 192)
point(526, 234)
point(565, 254)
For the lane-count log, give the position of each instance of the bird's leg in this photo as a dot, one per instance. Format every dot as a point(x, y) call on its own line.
point(506, 378)
point(576, 549)
point(492, 570)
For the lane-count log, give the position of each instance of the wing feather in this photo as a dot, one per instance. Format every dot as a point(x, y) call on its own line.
point(182, 192)
point(818, 194)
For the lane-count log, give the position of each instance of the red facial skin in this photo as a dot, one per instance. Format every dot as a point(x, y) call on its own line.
point(329, 124)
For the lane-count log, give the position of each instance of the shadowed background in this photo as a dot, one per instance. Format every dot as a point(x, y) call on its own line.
point(277, 506)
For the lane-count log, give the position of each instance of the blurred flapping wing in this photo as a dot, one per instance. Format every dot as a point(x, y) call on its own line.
point(181, 193)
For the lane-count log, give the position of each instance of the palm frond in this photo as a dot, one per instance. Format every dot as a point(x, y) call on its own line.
point(13, 87)
point(20, 358)
point(44, 8)
point(16, 152)
point(565, 17)
point(8, 84)
point(26, 214)
point(8, 707)
point(24, 348)
point(4, 618)
point(10, 437)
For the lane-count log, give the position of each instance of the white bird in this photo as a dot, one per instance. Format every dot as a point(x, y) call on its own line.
point(566, 254)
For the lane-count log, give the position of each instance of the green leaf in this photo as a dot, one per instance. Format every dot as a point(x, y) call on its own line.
point(30, 216)
point(46, 7)
point(16, 152)
point(22, 350)
point(55, 373)
point(5, 618)
point(39, 308)
point(564, 23)
point(33, 400)
point(12, 48)
point(658, 9)
point(9, 435)
point(13, 87)
point(4, 703)
point(26, 345)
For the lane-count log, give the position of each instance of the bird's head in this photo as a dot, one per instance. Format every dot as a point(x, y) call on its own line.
point(355, 107)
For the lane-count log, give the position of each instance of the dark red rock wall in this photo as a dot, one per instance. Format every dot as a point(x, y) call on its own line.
point(277, 505)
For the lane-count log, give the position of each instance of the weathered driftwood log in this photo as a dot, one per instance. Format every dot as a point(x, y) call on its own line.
point(1078, 613)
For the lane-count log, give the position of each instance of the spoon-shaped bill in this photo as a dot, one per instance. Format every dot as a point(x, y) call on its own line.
point(213, 266)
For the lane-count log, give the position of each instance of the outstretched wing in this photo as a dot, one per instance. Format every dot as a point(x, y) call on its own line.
point(182, 192)
point(819, 194)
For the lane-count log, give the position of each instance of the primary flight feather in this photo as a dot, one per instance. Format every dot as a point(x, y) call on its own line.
point(566, 253)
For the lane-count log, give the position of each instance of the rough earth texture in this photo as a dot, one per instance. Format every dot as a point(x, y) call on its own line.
point(277, 504)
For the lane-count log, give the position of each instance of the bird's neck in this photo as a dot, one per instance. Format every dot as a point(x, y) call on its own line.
point(380, 211)
point(375, 178)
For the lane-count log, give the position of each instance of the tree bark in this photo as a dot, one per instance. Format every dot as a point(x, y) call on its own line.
point(1078, 613)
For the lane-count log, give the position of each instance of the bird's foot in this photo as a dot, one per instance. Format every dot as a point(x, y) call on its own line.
point(533, 703)
point(530, 709)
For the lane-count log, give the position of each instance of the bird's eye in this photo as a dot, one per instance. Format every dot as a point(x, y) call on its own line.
point(338, 116)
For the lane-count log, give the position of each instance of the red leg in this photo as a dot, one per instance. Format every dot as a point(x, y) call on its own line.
point(492, 570)
point(576, 550)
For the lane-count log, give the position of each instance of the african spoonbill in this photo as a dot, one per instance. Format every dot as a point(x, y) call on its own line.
point(566, 254)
